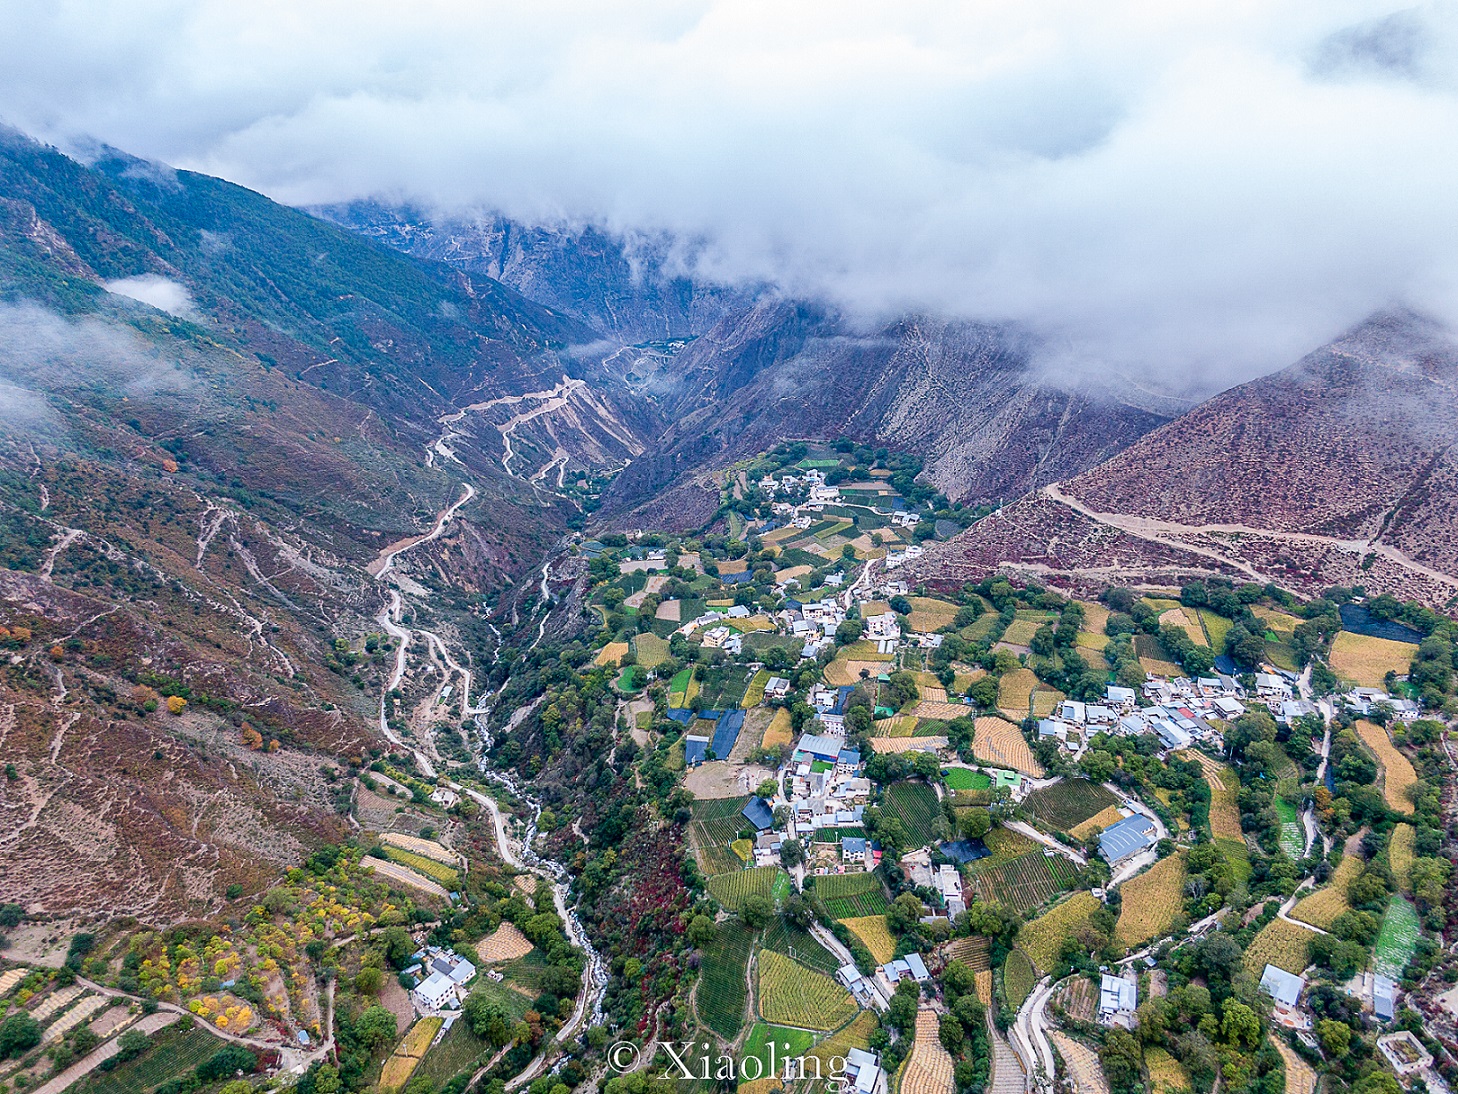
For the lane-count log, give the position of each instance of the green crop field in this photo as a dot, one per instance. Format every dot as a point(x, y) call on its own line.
point(1043, 937)
point(722, 990)
point(792, 995)
point(1018, 978)
point(830, 886)
point(796, 942)
point(716, 824)
point(436, 871)
point(789, 1044)
point(650, 650)
point(723, 688)
point(1293, 836)
point(731, 889)
point(1023, 883)
point(458, 1051)
point(1067, 804)
point(173, 1054)
point(960, 778)
point(915, 803)
point(1397, 941)
point(849, 896)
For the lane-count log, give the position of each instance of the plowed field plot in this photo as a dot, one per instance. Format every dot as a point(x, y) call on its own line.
point(723, 987)
point(1000, 743)
point(915, 803)
point(792, 995)
point(1079, 997)
point(1068, 803)
point(506, 943)
point(928, 1069)
point(1024, 883)
point(1082, 1063)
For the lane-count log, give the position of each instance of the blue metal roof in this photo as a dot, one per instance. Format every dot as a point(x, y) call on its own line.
point(695, 750)
point(1127, 837)
point(759, 814)
point(726, 732)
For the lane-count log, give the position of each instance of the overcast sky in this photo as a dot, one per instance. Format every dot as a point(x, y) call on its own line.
point(1198, 190)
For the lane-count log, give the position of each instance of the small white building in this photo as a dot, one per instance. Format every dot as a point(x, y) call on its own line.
point(436, 992)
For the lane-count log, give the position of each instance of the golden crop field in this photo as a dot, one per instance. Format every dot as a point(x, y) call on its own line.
point(928, 614)
point(907, 744)
point(1166, 1074)
point(856, 1034)
point(1285, 945)
point(1097, 823)
point(1014, 690)
point(1397, 772)
point(611, 654)
point(898, 725)
point(1044, 701)
point(1082, 1063)
point(1300, 1078)
point(1000, 743)
point(779, 731)
point(1151, 903)
point(984, 987)
point(942, 712)
point(1224, 812)
point(846, 670)
point(1095, 616)
point(1399, 855)
point(972, 951)
point(1043, 937)
point(929, 1067)
point(872, 930)
point(792, 995)
point(650, 650)
point(406, 1057)
point(1368, 660)
point(1279, 623)
point(427, 847)
point(1020, 632)
point(506, 943)
point(1322, 907)
point(1186, 620)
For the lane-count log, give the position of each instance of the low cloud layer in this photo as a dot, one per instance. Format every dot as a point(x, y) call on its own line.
point(1188, 193)
point(44, 355)
point(162, 293)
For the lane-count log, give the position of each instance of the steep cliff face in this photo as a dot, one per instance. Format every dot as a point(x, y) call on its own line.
point(958, 394)
point(1337, 470)
point(628, 288)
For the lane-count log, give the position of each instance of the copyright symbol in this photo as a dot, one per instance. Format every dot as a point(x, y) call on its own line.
point(623, 1057)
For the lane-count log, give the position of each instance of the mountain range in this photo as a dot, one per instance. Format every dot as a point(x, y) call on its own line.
point(198, 499)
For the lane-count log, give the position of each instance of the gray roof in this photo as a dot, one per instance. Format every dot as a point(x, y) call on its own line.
point(1129, 836)
point(1384, 997)
point(1282, 986)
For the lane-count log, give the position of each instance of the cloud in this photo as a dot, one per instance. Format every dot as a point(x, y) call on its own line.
point(162, 293)
point(1189, 194)
point(44, 356)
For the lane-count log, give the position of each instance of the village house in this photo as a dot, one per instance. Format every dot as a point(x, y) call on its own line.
point(1118, 1000)
point(1285, 988)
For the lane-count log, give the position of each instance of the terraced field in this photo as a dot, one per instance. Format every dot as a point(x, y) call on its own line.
point(408, 1053)
point(851, 896)
point(1023, 883)
point(1018, 978)
point(1224, 785)
point(716, 823)
point(791, 995)
point(1322, 907)
point(928, 1070)
point(1067, 803)
point(173, 1054)
point(972, 951)
point(872, 930)
point(1293, 836)
point(1367, 661)
point(785, 938)
point(999, 743)
point(436, 871)
point(1015, 689)
point(1397, 941)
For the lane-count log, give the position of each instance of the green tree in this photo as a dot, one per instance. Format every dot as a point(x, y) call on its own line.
point(756, 911)
point(18, 1035)
point(1336, 1037)
point(701, 930)
point(398, 946)
point(976, 823)
point(368, 981)
point(375, 1028)
point(1241, 1027)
